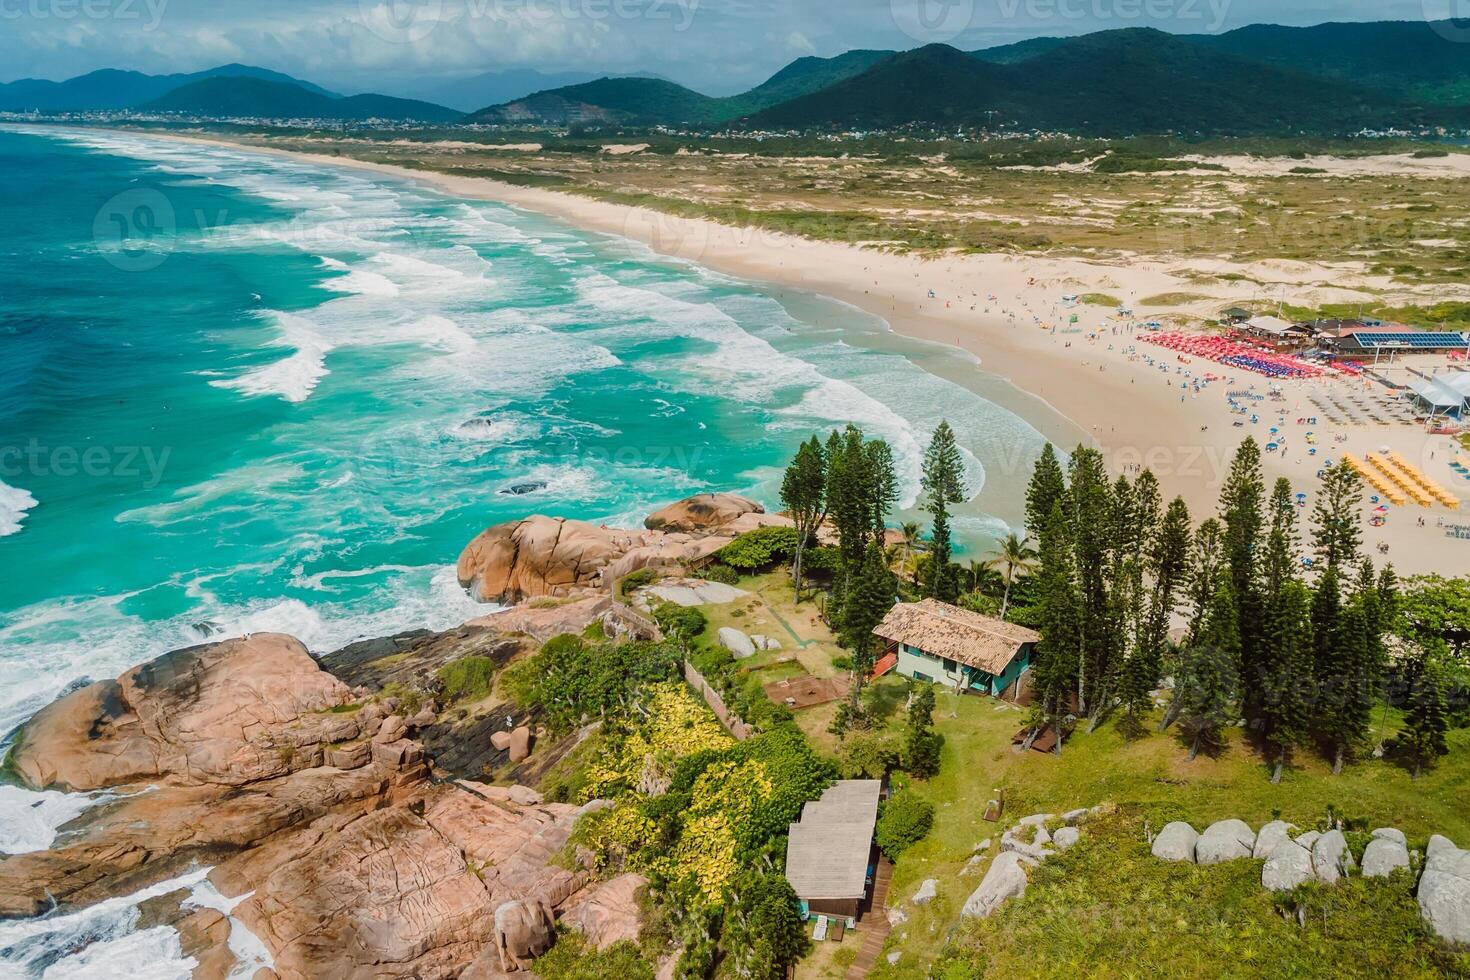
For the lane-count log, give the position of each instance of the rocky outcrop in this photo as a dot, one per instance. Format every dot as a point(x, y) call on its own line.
point(247, 757)
point(608, 912)
point(1224, 840)
point(412, 660)
point(703, 512)
point(736, 642)
point(1006, 879)
point(539, 556)
point(1271, 834)
point(1176, 842)
point(1331, 858)
point(1383, 856)
point(1288, 865)
point(542, 621)
point(1444, 891)
point(230, 713)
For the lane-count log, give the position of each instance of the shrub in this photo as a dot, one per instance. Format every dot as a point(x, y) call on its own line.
point(903, 820)
point(868, 754)
point(824, 561)
point(634, 581)
point(683, 623)
point(761, 548)
point(468, 678)
point(842, 661)
point(723, 574)
point(573, 958)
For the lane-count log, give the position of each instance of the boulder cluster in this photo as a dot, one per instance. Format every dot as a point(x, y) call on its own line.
point(1292, 857)
point(1023, 846)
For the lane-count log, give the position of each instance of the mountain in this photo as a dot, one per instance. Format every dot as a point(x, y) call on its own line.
point(499, 87)
point(1136, 80)
point(255, 97)
point(110, 89)
point(643, 100)
point(1009, 54)
point(1415, 60)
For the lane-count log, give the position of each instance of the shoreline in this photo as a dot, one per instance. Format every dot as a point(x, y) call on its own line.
point(1007, 312)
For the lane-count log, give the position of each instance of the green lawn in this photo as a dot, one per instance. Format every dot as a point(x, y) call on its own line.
point(1152, 781)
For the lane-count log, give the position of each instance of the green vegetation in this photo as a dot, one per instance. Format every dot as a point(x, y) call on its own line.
point(573, 681)
point(467, 679)
point(1108, 901)
point(760, 549)
point(903, 820)
point(573, 958)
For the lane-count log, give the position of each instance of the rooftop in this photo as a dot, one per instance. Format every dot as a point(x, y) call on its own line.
point(942, 630)
point(827, 852)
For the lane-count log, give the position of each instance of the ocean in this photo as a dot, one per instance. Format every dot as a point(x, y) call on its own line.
point(244, 392)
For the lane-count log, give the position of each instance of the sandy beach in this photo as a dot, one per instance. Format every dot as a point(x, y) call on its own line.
point(1008, 311)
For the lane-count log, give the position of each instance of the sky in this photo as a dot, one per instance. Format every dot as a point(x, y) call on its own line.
point(716, 46)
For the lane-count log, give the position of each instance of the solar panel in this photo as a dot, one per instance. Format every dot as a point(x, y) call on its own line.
point(1419, 340)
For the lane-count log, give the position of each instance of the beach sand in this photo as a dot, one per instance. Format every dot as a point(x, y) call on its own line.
point(1002, 308)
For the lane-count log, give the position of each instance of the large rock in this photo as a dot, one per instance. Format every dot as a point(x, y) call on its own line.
point(736, 642)
point(1383, 856)
point(1176, 842)
point(1392, 833)
point(523, 931)
point(235, 712)
point(1331, 858)
point(1444, 891)
point(1224, 840)
point(1005, 879)
point(1271, 834)
point(607, 912)
point(1288, 865)
point(539, 556)
point(1065, 837)
point(928, 888)
point(703, 512)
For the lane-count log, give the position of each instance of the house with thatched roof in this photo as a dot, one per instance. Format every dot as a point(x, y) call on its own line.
point(934, 641)
point(830, 858)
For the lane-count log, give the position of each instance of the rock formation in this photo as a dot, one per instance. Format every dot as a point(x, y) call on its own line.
point(704, 512)
point(248, 757)
point(1444, 890)
point(538, 556)
point(1175, 842)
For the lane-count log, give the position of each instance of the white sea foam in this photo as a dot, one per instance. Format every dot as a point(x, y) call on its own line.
point(14, 503)
point(292, 378)
point(29, 821)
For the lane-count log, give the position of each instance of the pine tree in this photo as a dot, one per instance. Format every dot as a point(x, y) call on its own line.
point(1242, 504)
point(1210, 678)
point(1055, 666)
point(921, 742)
point(868, 600)
point(1089, 514)
point(1336, 534)
point(943, 484)
point(1287, 684)
point(1350, 688)
point(804, 493)
point(1425, 716)
point(1047, 489)
point(848, 496)
point(881, 479)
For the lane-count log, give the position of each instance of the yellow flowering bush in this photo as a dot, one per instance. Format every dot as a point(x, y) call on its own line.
point(678, 725)
point(724, 799)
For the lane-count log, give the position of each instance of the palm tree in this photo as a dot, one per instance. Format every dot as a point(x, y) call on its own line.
point(1010, 557)
point(910, 531)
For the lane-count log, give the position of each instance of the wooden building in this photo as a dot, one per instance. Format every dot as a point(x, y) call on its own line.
point(935, 641)
point(830, 857)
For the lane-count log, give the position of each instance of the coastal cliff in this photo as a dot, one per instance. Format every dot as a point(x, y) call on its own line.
point(345, 805)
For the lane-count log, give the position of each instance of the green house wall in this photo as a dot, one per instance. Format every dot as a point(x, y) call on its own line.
point(915, 663)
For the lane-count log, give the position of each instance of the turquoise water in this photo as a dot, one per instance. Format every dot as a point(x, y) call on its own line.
point(242, 392)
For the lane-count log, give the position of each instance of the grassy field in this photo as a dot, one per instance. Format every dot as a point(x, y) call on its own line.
point(937, 195)
point(1119, 905)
